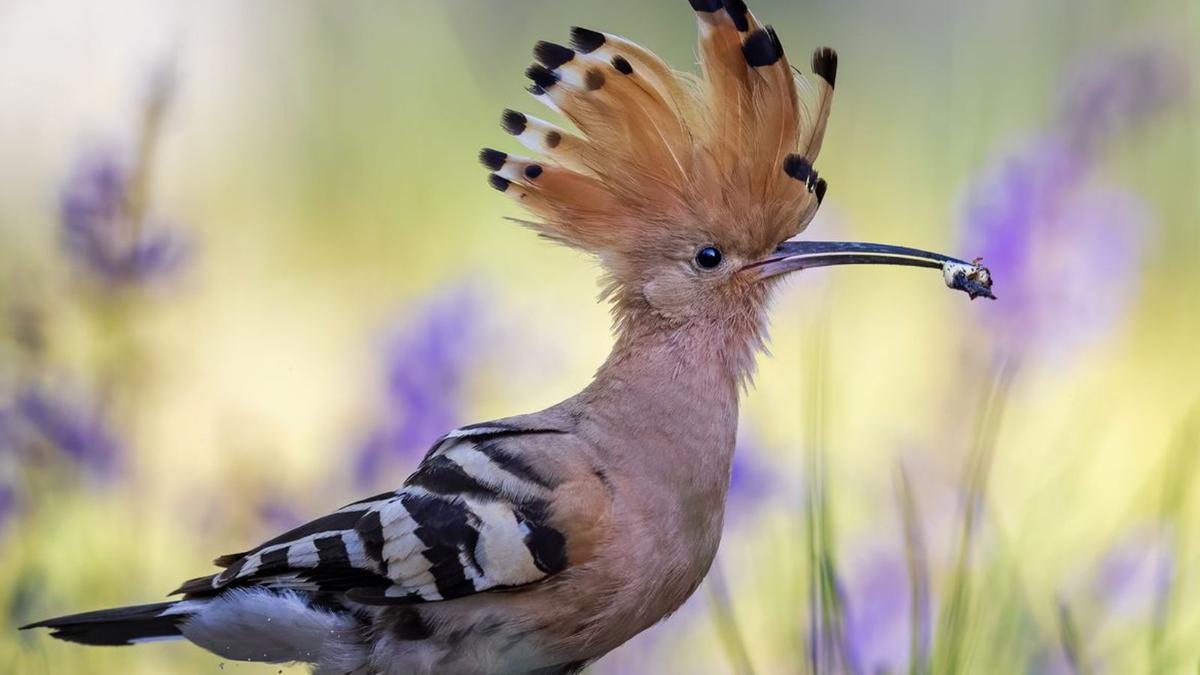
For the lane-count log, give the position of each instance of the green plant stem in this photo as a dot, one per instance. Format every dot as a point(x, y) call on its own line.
point(956, 614)
point(726, 622)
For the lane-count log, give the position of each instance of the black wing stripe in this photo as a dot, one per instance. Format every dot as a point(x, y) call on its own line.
point(485, 430)
point(253, 562)
point(273, 562)
point(331, 551)
point(444, 528)
point(370, 531)
point(441, 475)
point(512, 463)
point(547, 545)
point(341, 520)
point(343, 579)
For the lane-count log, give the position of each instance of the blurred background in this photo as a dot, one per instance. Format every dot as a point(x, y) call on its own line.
point(250, 269)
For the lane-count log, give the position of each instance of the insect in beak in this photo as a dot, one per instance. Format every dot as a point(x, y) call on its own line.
point(970, 277)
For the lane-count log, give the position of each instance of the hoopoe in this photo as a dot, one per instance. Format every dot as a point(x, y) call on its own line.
point(539, 543)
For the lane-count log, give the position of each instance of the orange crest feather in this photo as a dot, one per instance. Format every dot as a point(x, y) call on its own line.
point(729, 153)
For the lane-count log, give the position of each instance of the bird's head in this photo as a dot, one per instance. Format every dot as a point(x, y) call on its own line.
point(688, 189)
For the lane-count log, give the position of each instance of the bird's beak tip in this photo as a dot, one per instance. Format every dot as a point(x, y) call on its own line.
point(971, 278)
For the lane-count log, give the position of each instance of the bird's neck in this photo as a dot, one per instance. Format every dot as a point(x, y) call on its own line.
point(671, 395)
point(706, 353)
point(693, 358)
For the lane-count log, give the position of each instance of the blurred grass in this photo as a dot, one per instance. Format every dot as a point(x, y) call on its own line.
point(957, 615)
point(917, 560)
point(325, 156)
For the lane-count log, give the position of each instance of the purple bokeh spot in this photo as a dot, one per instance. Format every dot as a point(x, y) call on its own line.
point(426, 365)
point(1068, 254)
point(1134, 573)
point(877, 596)
point(75, 427)
point(1114, 94)
point(278, 513)
point(751, 481)
point(98, 236)
point(1065, 249)
point(8, 503)
point(9, 446)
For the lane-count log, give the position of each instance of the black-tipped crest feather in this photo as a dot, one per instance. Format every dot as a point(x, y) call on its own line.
point(738, 11)
point(498, 182)
point(825, 63)
point(649, 143)
point(541, 75)
point(797, 167)
point(552, 55)
point(761, 49)
point(514, 122)
point(586, 41)
point(492, 159)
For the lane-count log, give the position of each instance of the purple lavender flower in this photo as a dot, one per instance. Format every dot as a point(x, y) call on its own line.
point(278, 513)
point(1064, 247)
point(1068, 254)
point(751, 482)
point(1132, 573)
point(749, 479)
point(426, 365)
point(1111, 96)
point(877, 597)
point(74, 426)
point(8, 449)
point(101, 234)
point(8, 503)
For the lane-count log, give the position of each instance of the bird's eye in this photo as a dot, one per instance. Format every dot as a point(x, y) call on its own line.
point(708, 257)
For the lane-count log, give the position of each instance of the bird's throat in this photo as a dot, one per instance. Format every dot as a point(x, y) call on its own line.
point(672, 397)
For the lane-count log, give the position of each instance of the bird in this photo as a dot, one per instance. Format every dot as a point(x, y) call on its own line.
point(539, 543)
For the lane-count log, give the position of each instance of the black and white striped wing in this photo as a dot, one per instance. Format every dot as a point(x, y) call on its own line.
point(473, 517)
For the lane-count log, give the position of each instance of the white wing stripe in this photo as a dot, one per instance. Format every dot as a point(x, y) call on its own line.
point(303, 553)
point(480, 467)
point(501, 550)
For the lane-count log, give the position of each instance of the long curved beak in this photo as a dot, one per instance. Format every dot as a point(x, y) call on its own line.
point(970, 277)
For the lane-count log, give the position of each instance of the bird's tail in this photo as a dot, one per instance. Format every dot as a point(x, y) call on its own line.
point(119, 626)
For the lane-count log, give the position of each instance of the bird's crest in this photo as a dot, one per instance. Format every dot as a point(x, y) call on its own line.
point(729, 153)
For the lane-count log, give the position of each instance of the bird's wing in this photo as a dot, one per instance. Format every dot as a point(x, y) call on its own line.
point(476, 515)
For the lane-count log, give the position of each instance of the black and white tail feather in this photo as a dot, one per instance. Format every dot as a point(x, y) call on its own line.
point(120, 626)
point(246, 624)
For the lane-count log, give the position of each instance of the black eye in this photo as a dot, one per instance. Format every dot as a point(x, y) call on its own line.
point(708, 257)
